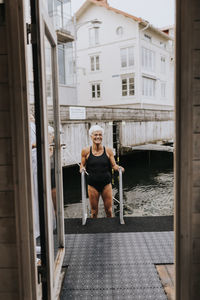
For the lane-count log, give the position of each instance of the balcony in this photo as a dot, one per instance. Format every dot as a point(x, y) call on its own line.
point(60, 13)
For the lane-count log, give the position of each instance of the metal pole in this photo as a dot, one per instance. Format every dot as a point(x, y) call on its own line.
point(121, 197)
point(84, 200)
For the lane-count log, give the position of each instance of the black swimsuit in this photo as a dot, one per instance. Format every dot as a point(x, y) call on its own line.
point(99, 170)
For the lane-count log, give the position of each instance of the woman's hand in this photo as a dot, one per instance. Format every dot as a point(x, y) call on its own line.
point(123, 170)
point(82, 169)
point(117, 168)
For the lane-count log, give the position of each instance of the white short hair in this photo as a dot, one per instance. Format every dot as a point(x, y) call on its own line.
point(96, 128)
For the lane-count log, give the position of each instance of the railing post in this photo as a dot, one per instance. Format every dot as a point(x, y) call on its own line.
point(121, 197)
point(84, 200)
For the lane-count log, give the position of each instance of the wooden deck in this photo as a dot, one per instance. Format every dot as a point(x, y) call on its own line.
point(167, 276)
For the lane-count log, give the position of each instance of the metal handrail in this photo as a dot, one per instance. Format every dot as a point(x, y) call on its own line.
point(121, 197)
point(84, 199)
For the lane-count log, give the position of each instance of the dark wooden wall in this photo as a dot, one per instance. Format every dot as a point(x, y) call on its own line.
point(9, 284)
point(188, 150)
point(18, 274)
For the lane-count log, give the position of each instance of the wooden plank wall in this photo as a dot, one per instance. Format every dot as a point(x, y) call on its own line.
point(188, 151)
point(114, 114)
point(76, 137)
point(138, 133)
point(195, 210)
point(9, 284)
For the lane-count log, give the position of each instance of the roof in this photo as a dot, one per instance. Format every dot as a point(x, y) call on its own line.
point(167, 27)
point(168, 30)
point(103, 3)
point(87, 3)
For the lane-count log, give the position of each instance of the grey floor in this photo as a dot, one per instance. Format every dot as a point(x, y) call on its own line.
point(116, 265)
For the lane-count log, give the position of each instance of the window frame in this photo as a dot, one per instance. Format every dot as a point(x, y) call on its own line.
point(94, 64)
point(67, 64)
point(93, 36)
point(61, 67)
point(163, 84)
point(148, 59)
point(127, 78)
point(163, 64)
point(128, 56)
point(147, 87)
point(96, 87)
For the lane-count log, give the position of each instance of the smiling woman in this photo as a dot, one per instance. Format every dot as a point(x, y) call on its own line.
point(97, 161)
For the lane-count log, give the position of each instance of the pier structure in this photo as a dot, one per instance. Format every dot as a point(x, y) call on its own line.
point(106, 260)
point(125, 128)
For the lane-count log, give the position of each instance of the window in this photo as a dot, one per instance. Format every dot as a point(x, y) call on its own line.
point(163, 89)
point(66, 64)
point(94, 36)
point(162, 64)
point(163, 45)
point(147, 37)
point(128, 86)
point(96, 90)
point(127, 57)
point(148, 87)
point(61, 64)
point(94, 63)
point(148, 59)
point(60, 10)
point(119, 31)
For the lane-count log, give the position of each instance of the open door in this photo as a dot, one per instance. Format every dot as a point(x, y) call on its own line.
point(50, 239)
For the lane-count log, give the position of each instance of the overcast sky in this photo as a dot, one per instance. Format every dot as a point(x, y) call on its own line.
point(158, 12)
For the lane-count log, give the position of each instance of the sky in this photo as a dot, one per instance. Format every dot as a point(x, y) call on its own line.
point(159, 13)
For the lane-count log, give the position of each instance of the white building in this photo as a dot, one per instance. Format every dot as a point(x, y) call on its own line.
point(59, 12)
point(124, 61)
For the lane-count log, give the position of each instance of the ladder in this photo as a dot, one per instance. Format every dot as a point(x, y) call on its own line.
point(84, 198)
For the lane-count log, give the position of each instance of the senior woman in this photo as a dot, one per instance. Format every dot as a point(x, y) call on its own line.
point(98, 161)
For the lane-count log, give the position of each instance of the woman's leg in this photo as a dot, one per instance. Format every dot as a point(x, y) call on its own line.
point(107, 199)
point(94, 200)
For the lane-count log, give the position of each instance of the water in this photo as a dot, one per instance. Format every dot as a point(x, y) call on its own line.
point(148, 186)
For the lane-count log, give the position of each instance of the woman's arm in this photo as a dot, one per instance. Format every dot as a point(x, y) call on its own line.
point(84, 153)
point(115, 166)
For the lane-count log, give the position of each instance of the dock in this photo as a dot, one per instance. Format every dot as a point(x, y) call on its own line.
point(150, 147)
point(106, 260)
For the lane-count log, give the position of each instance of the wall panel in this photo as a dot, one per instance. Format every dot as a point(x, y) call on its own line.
point(9, 280)
point(9, 283)
point(5, 101)
point(7, 208)
point(195, 203)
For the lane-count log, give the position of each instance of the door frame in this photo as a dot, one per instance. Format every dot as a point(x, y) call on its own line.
point(51, 267)
point(22, 177)
point(16, 33)
point(48, 30)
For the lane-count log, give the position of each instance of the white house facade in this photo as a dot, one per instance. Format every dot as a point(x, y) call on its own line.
point(124, 61)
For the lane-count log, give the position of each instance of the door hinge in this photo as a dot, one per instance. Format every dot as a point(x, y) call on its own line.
point(31, 33)
point(42, 274)
point(2, 12)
